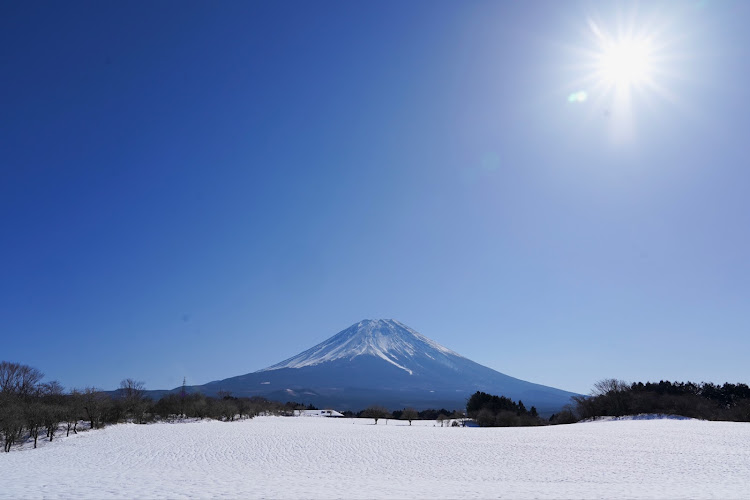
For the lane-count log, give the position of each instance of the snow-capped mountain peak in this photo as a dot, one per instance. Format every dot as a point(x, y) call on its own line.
point(384, 362)
point(386, 339)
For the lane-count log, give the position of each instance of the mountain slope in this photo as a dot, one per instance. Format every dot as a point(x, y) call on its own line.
point(384, 362)
point(388, 340)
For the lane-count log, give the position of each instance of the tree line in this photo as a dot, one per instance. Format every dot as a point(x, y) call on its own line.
point(30, 408)
point(377, 412)
point(489, 410)
point(707, 401)
point(616, 398)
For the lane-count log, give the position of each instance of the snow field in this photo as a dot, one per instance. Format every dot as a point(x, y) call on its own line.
point(277, 457)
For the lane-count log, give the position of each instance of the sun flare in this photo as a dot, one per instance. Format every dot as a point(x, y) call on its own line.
point(625, 67)
point(625, 62)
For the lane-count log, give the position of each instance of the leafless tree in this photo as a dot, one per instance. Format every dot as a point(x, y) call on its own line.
point(375, 412)
point(53, 388)
point(133, 394)
point(94, 403)
point(410, 414)
point(52, 414)
point(72, 411)
point(246, 408)
point(11, 419)
point(222, 409)
point(608, 386)
point(132, 388)
point(616, 391)
point(53, 410)
point(565, 416)
point(20, 392)
point(33, 413)
point(19, 379)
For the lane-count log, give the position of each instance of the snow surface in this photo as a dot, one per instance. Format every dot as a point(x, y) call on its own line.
point(287, 457)
point(640, 416)
point(387, 339)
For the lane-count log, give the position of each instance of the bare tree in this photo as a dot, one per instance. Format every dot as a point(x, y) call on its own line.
point(7, 377)
point(616, 391)
point(410, 414)
point(33, 413)
point(565, 416)
point(375, 412)
point(19, 379)
point(53, 406)
point(133, 393)
point(52, 414)
point(246, 408)
point(609, 385)
point(72, 411)
point(132, 388)
point(11, 419)
point(20, 404)
point(94, 403)
point(53, 388)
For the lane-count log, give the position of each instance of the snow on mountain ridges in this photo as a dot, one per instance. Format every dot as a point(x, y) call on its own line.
point(386, 339)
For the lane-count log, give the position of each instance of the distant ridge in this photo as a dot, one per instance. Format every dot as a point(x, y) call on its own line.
point(384, 362)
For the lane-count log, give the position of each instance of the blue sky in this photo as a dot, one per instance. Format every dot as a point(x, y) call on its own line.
point(203, 189)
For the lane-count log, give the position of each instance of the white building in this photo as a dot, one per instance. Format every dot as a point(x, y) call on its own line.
point(317, 413)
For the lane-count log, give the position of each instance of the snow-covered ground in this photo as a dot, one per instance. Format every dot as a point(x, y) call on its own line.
point(276, 457)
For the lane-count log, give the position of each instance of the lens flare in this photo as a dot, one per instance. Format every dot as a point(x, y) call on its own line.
point(579, 96)
point(623, 67)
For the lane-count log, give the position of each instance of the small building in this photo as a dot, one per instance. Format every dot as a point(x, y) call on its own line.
point(317, 413)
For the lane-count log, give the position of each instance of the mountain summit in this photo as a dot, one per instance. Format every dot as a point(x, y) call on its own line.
point(384, 362)
point(386, 339)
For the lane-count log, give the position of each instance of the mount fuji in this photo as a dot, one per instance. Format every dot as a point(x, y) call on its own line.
point(384, 362)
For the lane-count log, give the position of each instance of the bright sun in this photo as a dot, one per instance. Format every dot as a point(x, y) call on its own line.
point(625, 63)
point(624, 68)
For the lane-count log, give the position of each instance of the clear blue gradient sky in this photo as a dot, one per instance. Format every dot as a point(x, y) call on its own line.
point(203, 189)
